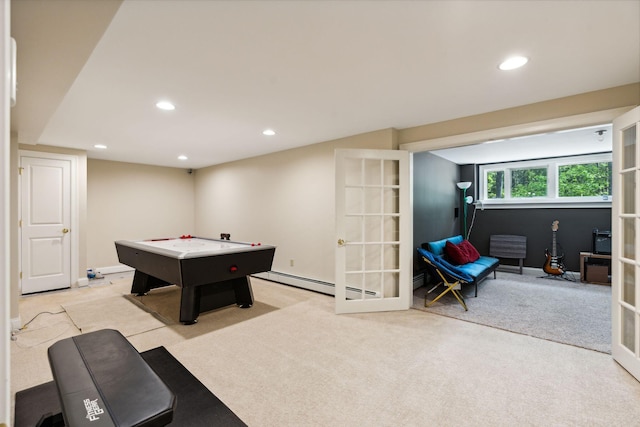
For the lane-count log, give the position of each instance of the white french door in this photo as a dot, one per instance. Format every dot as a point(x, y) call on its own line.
point(625, 221)
point(45, 224)
point(374, 239)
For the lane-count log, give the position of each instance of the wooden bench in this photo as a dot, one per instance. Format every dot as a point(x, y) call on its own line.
point(103, 381)
point(508, 246)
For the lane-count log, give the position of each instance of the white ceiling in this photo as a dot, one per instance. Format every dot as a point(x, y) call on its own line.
point(573, 142)
point(311, 70)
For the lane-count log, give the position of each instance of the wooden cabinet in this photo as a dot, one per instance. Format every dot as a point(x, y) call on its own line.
point(599, 273)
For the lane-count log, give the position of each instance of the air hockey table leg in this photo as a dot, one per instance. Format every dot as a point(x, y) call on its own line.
point(143, 283)
point(244, 292)
point(190, 304)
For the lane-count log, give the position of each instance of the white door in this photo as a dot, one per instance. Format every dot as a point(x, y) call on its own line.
point(374, 238)
point(45, 224)
point(625, 221)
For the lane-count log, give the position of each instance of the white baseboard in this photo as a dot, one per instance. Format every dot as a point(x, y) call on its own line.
point(102, 271)
point(120, 268)
point(309, 284)
point(298, 282)
point(530, 271)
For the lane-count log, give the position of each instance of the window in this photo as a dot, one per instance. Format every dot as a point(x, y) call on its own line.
point(579, 179)
point(584, 180)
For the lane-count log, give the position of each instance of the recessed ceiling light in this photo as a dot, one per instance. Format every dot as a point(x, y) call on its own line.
point(100, 146)
point(182, 157)
point(165, 105)
point(513, 62)
point(268, 132)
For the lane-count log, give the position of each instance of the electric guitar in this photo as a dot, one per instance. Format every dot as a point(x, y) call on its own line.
point(553, 264)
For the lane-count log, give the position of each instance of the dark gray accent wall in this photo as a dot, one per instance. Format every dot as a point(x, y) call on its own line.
point(436, 197)
point(573, 236)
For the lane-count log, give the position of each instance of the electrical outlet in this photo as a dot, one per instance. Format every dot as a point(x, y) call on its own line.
point(290, 263)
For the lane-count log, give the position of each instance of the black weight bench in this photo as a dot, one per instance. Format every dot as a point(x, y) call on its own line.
point(103, 381)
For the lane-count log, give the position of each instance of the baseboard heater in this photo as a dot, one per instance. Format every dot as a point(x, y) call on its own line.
point(313, 284)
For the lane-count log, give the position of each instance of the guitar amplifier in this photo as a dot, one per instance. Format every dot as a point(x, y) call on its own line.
point(601, 243)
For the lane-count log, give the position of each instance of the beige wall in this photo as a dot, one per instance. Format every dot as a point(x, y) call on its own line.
point(284, 199)
point(621, 96)
point(81, 162)
point(133, 201)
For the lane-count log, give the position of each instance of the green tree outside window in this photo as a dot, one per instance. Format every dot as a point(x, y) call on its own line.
point(529, 182)
point(585, 180)
point(495, 185)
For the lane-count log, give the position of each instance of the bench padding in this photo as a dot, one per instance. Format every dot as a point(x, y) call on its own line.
point(103, 381)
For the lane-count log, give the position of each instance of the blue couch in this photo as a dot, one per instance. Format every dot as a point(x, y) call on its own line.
point(472, 272)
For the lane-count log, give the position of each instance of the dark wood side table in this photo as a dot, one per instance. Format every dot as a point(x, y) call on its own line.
point(583, 258)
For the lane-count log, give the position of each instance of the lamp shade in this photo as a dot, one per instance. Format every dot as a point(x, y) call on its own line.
point(464, 185)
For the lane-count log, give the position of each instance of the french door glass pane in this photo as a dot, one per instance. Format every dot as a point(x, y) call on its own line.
point(391, 229)
point(353, 197)
point(628, 329)
point(628, 293)
point(391, 285)
point(629, 192)
point(373, 283)
point(372, 257)
point(629, 148)
point(372, 229)
point(354, 281)
point(629, 238)
point(391, 172)
point(353, 229)
point(353, 172)
point(373, 199)
point(391, 200)
point(353, 257)
point(391, 257)
point(373, 172)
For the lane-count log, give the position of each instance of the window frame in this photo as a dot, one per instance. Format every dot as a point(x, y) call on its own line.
point(552, 199)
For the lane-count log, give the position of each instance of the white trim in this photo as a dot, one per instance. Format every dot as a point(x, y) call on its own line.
point(305, 283)
point(489, 205)
point(562, 123)
point(75, 209)
point(5, 218)
point(552, 166)
point(114, 269)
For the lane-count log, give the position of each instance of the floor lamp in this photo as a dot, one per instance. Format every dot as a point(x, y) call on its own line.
point(465, 201)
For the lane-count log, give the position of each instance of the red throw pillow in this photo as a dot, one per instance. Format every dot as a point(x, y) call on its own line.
point(455, 253)
point(470, 251)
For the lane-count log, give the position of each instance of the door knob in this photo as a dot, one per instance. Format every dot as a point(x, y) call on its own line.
point(65, 230)
point(341, 242)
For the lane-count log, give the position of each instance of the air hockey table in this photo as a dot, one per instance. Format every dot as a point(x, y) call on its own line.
point(212, 273)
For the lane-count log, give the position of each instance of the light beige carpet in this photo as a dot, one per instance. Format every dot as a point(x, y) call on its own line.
point(114, 312)
point(299, 364)
point(164, 303)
